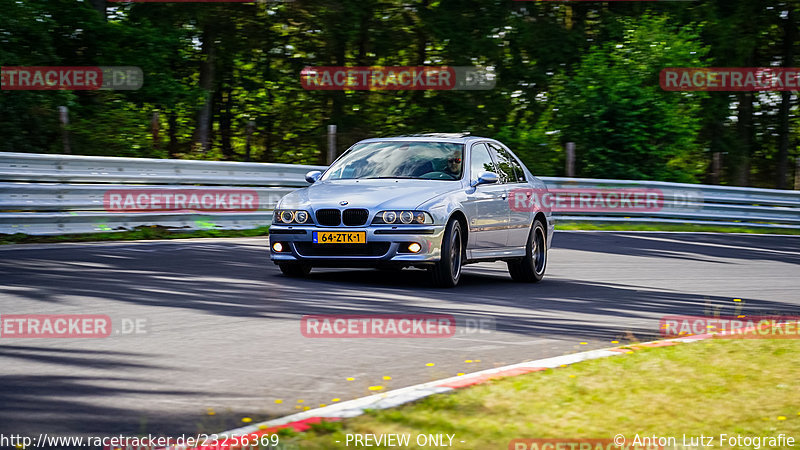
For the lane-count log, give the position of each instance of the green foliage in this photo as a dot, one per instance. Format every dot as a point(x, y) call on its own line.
point(585, 72)
point(138, 233)
point(325, 427)
point(613, 108)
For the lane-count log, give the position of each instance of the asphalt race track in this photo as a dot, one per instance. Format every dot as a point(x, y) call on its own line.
point(223, 325)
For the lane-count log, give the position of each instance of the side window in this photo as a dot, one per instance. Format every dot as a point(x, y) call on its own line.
point(517, 167)
point(480, 161)
point(518, 170)
point(506, 172)
point(519, 174)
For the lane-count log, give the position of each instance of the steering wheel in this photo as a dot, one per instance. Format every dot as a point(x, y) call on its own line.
point(438, 175)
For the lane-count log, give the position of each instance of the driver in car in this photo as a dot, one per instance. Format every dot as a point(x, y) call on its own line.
point(454, 165)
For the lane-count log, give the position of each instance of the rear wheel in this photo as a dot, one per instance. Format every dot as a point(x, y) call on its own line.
point(530, 269)
point(295, 270)
point(447, 271)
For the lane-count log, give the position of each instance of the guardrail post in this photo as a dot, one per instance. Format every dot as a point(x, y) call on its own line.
point(63, 115)
point(331, 143)
point(570, 169)
point(797, 174)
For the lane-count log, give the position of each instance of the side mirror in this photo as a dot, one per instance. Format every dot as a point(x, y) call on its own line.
point(485, 178)
point(313, 176)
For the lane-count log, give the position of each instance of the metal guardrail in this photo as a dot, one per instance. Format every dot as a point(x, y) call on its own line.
point(60, 194)
point(99, 169)
point(690, 204)
point(35, 197)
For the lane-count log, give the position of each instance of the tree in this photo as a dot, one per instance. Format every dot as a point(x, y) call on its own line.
point(614, 109)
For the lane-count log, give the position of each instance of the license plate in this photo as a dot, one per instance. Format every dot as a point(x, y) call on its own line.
point(340, 237)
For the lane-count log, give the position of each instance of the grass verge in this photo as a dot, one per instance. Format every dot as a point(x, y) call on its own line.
point(744, 387)
point(139, 233)
point(672, 227)
point(158, 232)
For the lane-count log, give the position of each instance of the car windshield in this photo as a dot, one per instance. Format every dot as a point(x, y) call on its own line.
point(396, 159)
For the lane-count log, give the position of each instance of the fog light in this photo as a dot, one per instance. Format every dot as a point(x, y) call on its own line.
point(414, 247)
point(278, 247)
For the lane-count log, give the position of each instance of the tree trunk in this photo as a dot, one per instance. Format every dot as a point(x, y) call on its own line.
point(267, 155)
point(716, 167)
point(717, 134)
point(421, 36)
point(251, 126)
point(225, 124)
point(100, 6)
point(207, 74)
point(789, 36)
point(363, 38)
point(797, 173)
point(337, 97)
point(155, 127)
point(172, 131)
point(746, 138)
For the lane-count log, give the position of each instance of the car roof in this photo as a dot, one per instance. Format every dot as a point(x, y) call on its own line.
point(457, 138)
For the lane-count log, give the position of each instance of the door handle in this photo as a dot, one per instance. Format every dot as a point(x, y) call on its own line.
point(504, 195)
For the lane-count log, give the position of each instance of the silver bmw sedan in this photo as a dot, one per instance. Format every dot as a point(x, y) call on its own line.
point(433, 201)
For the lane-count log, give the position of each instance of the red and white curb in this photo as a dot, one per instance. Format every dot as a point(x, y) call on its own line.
point(352, 408)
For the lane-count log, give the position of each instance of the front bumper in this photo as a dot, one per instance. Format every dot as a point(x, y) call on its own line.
point(385, 246)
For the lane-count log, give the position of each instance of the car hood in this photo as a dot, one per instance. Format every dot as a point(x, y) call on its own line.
point(370, 194)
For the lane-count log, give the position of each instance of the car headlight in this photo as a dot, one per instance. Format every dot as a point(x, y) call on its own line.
point(389, 217)
point(289, 216)
point(402, 218)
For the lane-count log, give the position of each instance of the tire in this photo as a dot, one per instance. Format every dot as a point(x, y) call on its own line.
point(530, 269)
point(295, 270)
point(447, 271)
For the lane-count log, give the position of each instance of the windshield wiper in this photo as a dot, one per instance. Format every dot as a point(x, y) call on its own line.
point(384, 178)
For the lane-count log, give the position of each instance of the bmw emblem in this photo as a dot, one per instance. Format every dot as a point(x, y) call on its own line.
point(344, 202)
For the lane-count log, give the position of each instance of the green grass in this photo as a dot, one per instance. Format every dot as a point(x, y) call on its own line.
point(672, 227)
point(158, 232)
point(140, 233)
point(746, 387)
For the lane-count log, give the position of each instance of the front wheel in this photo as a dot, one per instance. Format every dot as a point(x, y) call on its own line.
point(295, 270)
point(447, 271)
point(530, 269)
